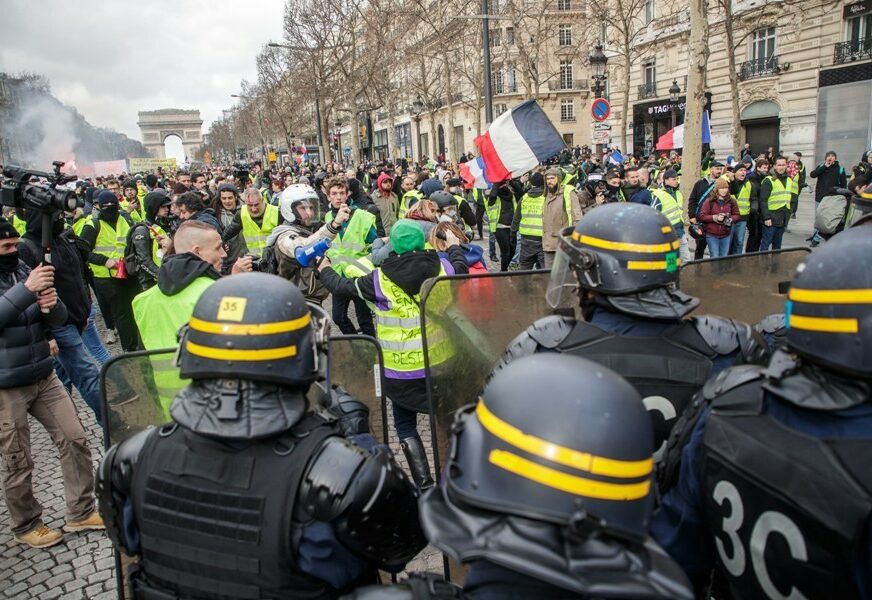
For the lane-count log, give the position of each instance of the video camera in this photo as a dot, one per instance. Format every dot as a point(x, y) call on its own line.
point(19, 193)
point(240, 173)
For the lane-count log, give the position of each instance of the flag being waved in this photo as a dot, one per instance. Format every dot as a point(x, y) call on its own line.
point(674, 138)
point(473, 173)
point(518, 140)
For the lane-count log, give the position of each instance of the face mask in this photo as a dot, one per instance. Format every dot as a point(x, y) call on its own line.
point(443, 218)
point(9, 262)
point(110, 211)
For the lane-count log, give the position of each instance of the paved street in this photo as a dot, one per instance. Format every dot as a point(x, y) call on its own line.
point(83, 566)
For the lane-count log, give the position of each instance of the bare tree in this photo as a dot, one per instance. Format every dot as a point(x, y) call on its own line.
point(697, 60)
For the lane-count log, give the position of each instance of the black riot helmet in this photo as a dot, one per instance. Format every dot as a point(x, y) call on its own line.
point(251, 326)
point(628, 255)
point(586, 462)
point(829, 307)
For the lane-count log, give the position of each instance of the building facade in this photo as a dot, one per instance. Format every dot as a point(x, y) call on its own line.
point(803, 80)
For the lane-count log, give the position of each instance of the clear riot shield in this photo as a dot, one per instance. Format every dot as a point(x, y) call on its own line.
point(745, 287)
point(137, 390)
point(467, 322)
point(355, 362)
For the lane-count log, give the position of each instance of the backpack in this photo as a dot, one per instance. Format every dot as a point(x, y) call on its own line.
point(269, 261)
point(830, 214)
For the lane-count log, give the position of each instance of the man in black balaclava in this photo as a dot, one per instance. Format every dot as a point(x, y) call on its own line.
point(357, 198)
point(150, 236)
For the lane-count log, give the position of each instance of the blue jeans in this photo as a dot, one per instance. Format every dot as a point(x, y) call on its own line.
point(92, 339)
point(75, 364)
point(737, 245)
point(718, 246)
point(771, 236)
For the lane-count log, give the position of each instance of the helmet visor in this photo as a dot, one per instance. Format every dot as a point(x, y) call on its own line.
point(563, 285)
point(307, 211)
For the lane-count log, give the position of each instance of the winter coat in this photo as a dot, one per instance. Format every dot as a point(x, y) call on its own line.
point(828, 178)
point(24, 358)
point(554, 219)
point(388, 205)
point(710, 208)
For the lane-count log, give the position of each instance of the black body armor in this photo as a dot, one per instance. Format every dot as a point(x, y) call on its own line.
point(217, 521)
point(666, 371)
point(787, 510)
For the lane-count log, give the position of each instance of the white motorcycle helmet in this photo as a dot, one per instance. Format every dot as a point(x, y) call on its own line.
point(295, 194)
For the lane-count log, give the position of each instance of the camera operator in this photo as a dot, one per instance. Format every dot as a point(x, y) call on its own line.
point(72, 289)
point(28, 384)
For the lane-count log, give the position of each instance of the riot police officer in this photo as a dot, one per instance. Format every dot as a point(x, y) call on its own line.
point(624, 259)
point(247, 493)
point(774, 487)
point(549, 503)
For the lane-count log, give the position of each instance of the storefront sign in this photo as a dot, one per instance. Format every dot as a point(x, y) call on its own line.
point(857, 9)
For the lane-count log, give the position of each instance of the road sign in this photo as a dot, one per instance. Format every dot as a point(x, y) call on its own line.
point(597, 126)
point(601, 137)
point(600, 109)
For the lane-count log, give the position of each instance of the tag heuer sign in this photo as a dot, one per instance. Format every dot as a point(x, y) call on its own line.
point(858, 8)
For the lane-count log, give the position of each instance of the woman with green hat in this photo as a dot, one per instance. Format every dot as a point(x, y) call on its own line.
point(394, 291)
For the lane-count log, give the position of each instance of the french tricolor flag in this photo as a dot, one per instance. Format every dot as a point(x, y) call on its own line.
point(518, 140)
point(674, 138)
point(474, 175)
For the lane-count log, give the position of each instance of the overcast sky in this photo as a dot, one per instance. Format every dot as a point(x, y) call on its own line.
point(113, 58)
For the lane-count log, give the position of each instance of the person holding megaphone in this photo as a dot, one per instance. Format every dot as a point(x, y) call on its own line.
point(303, 237)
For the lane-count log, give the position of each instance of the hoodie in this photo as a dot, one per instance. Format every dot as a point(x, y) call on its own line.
point(357, 198)
point(179, 270)
point(387, 204)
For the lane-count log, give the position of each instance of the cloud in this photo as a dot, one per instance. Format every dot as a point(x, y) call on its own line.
point(112, 59)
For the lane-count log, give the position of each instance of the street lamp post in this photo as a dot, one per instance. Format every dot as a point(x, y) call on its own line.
point(259, 123)
point(417, 109)
point(674, 94)
point(339, 142)
point(317, 92)
point(598, 61)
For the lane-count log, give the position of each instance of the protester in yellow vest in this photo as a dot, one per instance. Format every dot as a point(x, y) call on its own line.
point(105, 234)
point(161, 310)
point(352, 243)
point(394, 289)
point(409, 197)
point(149, 238)
point(254, 221)
point(130, 201)
point(670, 202)
point(740, 189)
point(775, 194)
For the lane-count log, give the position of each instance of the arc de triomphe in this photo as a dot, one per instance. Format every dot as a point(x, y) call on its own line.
point(157, 125)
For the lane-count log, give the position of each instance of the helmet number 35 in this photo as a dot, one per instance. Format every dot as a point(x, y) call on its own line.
point(767, 523)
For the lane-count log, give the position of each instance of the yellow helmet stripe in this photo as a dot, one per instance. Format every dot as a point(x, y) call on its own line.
point(666, 229)
point(649, 265)
point(241, 354)
point(859, 296)
point(571, 484)
point(624, 246)
point(250, 328)
point(569, 457)
point(824, 324)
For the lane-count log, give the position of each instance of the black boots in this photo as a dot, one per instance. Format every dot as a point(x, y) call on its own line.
point(416, 456)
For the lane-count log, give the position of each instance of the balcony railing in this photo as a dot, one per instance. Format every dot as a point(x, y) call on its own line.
point(759, 67)
point(647, 90)
point(850, 51)
point(561, 86)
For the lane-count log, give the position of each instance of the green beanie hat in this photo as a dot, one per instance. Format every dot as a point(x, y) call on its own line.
point(406, 235)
